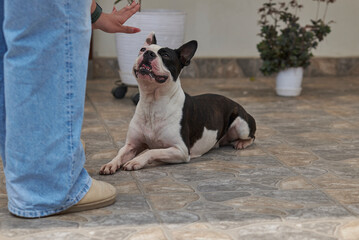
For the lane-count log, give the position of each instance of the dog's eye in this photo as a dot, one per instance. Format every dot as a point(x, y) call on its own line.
point(165, 55)
point(143, 49)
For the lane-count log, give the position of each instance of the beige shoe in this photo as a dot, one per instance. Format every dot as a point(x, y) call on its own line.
point(101, 194)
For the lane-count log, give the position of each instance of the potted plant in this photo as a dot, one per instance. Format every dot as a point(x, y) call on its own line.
point(169, 28)
point(286, 46)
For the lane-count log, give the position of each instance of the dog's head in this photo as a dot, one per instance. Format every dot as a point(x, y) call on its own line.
point(160, 65)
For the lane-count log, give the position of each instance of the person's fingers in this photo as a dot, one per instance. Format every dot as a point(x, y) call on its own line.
point(128, 7)
point(114, 10)
point(133, 7)
point(126, 15)
point(128, 29)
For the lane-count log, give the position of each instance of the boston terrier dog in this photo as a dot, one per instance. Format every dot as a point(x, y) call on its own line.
point(171, 126)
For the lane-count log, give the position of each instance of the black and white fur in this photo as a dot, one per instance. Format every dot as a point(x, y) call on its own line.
point(171, 126)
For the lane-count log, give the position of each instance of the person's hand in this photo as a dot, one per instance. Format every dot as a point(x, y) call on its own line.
point(113, 22)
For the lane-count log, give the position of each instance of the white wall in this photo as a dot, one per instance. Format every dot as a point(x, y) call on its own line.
point(228, 28)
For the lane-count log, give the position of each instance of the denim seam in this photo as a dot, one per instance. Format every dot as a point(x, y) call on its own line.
point(3, 49)
point(69, 83)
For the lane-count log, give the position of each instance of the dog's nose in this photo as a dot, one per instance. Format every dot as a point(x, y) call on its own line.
point(149, 55)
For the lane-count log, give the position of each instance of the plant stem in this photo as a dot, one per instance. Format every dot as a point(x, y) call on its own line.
point(318, 4)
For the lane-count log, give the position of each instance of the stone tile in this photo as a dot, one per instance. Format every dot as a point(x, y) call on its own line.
point(207, 206)
point(99, 211)
point(314, 138)
point(103, 155)
point(267, 176)
point(249, 152)
point(310, 172)
point(354, 208)
point(112, 233)
point(292, 156)
point(115, 179)
point(293, 183)
point(14, 227)
point(270, 142)
point(127, 187)
point(263, 202)
point(71, 217)
point(354, 162)
point(319, 212)
point(123, 219)
point(266, 210)
point(220, 166)
point(306, 197)
point(348, 172)
point(224, 196)
point(2, 181)
point(227, 220)
point(125, 202)
point(59, 235)
point(3, 200)
point(178, 217)
point(277, 231)
point(149, 175)
point(206, 234)
point(230, 185)
point(337, 152)
point(345, 196)
point(332, 181)
point(197, 175)
point(166, 185)
point(258, 162)
point(172, 201)
point(328, 228)
point(153, 233)
point(350, 230)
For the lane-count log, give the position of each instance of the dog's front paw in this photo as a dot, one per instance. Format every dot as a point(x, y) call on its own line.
point(133, 165)
point(109, 168)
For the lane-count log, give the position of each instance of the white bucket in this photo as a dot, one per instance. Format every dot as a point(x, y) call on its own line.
point(289, 82)
point(169, 30)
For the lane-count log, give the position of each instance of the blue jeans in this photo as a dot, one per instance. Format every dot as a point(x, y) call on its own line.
point(42, 93)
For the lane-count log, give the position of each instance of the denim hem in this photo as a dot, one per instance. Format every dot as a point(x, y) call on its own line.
point(44, 213)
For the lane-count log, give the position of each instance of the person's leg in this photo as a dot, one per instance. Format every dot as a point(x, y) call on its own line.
point(45, 78)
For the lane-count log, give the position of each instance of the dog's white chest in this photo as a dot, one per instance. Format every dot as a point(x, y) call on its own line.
point(155, 134)
point(205, 143)
point(159, 124)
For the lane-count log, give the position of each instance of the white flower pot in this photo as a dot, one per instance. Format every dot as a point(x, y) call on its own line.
point(289, 82)
point(169, 30)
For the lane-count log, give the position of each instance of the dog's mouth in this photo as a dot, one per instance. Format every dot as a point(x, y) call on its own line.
point(146, 69)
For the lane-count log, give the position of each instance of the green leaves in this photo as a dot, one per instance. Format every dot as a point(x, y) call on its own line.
point(291, 44)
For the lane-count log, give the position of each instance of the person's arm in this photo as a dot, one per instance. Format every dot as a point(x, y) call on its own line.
point(113, 22)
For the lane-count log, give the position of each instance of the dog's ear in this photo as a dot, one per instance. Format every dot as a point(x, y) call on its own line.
point(151, 39)
point(187, 51)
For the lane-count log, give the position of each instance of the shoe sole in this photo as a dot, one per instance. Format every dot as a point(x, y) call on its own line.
point(89, 206)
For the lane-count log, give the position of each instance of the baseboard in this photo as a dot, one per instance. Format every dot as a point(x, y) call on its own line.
point(235, 67)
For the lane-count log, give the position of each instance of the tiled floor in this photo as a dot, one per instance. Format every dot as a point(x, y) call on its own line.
point(300, 180)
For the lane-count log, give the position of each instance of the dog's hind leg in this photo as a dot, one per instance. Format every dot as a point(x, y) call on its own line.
point(238, 134)
point(242, 144)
